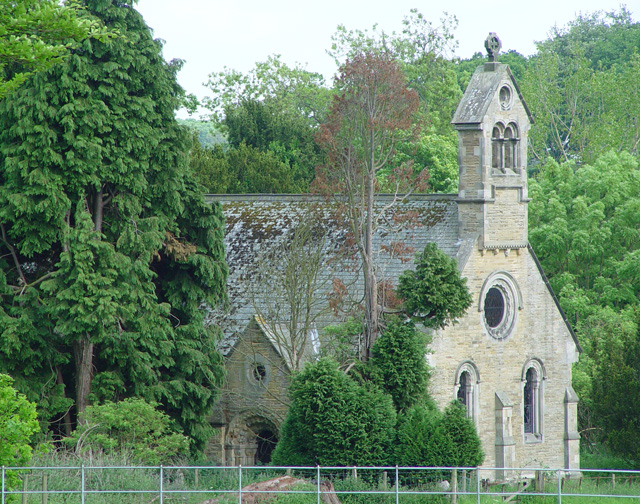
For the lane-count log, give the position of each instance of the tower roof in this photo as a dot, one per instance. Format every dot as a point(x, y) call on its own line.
point(481, 91)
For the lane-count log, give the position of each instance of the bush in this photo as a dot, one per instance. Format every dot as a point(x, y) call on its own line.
point(333, 421)
point(130, 426)
point(18, 423)
point(398, 363)
point(427, 437)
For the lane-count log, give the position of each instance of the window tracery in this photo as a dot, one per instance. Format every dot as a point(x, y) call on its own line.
point(505, 141)
point(466, 389)
point(532, 400)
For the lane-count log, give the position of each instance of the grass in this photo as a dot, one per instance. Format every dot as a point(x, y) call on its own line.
point(127, 484)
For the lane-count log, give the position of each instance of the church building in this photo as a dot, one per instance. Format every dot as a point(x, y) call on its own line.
point(508, 359)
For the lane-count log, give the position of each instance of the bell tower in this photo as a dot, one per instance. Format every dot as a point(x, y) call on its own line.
point(493, 121)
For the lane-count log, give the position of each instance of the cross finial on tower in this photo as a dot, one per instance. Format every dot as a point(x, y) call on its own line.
point(493, 45)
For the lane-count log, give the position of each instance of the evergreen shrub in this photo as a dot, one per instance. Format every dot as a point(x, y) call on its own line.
point(333, 421)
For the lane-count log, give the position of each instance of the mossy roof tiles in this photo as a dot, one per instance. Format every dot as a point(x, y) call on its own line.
point(256, 223)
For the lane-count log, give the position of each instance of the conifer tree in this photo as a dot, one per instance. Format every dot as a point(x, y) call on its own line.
point(107, 249)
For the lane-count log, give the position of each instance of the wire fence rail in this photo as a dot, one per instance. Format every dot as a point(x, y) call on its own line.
point(86, 484)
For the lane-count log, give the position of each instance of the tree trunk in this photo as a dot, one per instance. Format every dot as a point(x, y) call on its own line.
point(98, 210)
point(370, 282)
point(83, 353)
point(66, 419)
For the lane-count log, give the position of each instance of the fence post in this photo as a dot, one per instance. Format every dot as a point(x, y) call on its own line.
point(454, 486)
point(45, 488)
point(82, 483)
point(559, 487)
point(239, 483)
point(478, 484)
point(318, 481)
point(25, 487)
point(2, 484)
point(161, 484)
point(397, 486)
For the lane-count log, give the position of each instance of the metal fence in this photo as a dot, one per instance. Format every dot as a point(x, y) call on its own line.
point(207, 484)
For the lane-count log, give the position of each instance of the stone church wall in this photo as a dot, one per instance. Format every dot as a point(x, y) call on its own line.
point(539, 333)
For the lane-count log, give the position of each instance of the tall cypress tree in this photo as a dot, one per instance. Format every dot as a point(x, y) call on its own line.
point(107, 249)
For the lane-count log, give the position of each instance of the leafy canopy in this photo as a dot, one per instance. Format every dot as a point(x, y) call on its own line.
point(37, 34)
point(107, 248)
point(434, 293)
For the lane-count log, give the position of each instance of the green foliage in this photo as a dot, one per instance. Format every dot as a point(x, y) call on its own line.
point(210, 166)
point(416, 430)
point(615, 379)
point(267, 127)
point(107, 247)
point(460, 434)
point(438, 154)
point(398, 363)
point(338, 341)
point(427, 437)
point(334, 421)
point(584, 226)
point(583, 89)
point(295, 90)
point(607, 39)
point(435, 293)
point(256, 171)
point(206, 133)
point(130, 426)
point(18, 423)
point(37, 34)
point(421, 48)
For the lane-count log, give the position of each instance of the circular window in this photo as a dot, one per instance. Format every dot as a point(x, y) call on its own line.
point(494, 307)
point(259, 372)
point(500, 301)
point(506, 97)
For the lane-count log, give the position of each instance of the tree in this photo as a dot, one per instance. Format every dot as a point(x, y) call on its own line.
point(266, 126)
point(18, 423)
point(438, 154)
point(210, 166)
point(108, 249)
point(334, 421)
point(422, 50)
point(367, 119)
point(296, 90)
point(398, 363)
point(37, 34)
point(434, 293)
point(291, 289)
point(583, 89)
point(584, 227)
point(132, 427)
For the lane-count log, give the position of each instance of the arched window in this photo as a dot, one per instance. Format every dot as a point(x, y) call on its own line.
point(496, 145)
point(532, 400)
point(466, 388)
point(504, 146)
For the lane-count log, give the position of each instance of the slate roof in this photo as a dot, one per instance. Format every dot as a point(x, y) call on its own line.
point(483, 86)
point(257, 223)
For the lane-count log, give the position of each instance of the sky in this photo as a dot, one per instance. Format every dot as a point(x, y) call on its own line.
point(213, 34)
